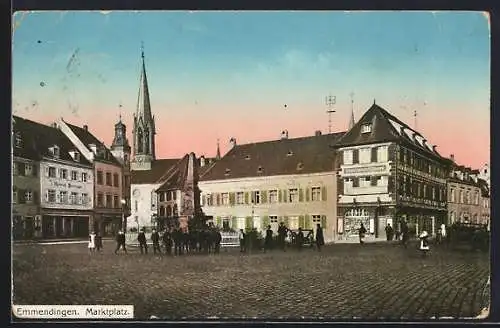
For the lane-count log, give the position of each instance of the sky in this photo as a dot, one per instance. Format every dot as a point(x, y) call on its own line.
point(217, 75)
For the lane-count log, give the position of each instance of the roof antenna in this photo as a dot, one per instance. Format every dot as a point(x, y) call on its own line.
point(330, 102)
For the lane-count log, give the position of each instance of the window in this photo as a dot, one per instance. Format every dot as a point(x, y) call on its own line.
point(348, 157)
point(366, 128)
point(51, 196)
point(77, 157)
point(55, 151)
point(14, 196)
point(260, 169)
point(169, 211)
point(169, 196)
point(99, 178)
point(273, 219)
point(273, 196)
point(84, 177)
point(433, 193)
point(256, 197)
point(315, 194)
point(382, 153)
point(19, 140)
point(461, 196)
point(109, 201)
point(63, 197)
point(382, 181)
point(364, 181)
point(162, 211)
point(225, 198)
point(108, 179)
point(365, 155)
point(225, 224)
point(28, 169)
point(293, 195)
point(162, 196)
point(135, 206)
point(116, 202)
point(452, 195)
point(467, 197)
point(240, 198)
point(73, 197)
point(115, 180)
point(74, 175)
point(210, 201)
point(63, 174)
point(316, 219)
point(100, 200)
point(174, 195)
point(476, 198)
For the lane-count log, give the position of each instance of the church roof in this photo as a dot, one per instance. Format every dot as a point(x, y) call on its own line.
point(37, 138)
point(143, 109)
point(278, 157)
point(385, 127)
point(177, 177)
point(158, 173)
point(88, 138)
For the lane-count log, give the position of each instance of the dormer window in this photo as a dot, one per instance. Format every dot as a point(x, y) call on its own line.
point(228, 172)
point(54, 151)
point(260, 169)
point(247, 157)
point(290, 153)
point(366, 128)
point(93, 147)
point(18, 140)
point(75, 155)
point(300, 166)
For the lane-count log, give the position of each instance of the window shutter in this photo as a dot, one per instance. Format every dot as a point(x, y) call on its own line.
point(34, 170)
point(234, 223)
point(58, 197)
point(308, 222)
point(247, 198)
point(46, 171)
point(248, 222)
point(323, 221)
point(355, 156)
point(308, 190)
point(373, 181)
point(218, 221)
point(80, 199)
point(285, 198)
point(302, 223)
point(285, 220)
point(301, 195)
point(323, 193)
point(21, 196)
point(263, 196)
point(374, 154)
point(280, 196)
point(265, 222)
point(231, 198)
point(46, 196)
point(355, 182)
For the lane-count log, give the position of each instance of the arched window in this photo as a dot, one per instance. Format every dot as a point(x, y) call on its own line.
point(176, 212)
point(146, 142)
point(169, 211)
point(162, 211)
point(139, 141)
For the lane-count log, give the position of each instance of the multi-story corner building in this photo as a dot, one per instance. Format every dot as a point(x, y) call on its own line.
point(288, 180)
point(485, 203)
point(389, 172)
point(108, 178)
point(464, 195)
point(25, 182)
point(120, 149)
point(66, 182)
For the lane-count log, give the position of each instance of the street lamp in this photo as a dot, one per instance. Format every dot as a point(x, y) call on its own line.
point(124, 203)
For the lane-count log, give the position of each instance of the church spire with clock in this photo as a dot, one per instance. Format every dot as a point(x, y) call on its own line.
point(144, 126)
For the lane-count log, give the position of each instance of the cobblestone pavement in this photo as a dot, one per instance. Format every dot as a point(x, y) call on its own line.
point(375, 281)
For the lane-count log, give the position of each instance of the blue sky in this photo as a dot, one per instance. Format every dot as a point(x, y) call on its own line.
point(239, 66)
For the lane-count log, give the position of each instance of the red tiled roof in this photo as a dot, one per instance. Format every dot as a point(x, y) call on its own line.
point(177, 177)
point(159, 171)
point(278, 157)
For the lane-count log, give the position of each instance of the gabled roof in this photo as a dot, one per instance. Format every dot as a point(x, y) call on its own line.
point(88, 138)
point(159, 171)
point(278, 157)
point(178, 175)
point(386, 127)
point(37, 138)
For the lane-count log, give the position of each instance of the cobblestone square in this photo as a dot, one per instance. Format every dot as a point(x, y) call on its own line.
point(371, 281)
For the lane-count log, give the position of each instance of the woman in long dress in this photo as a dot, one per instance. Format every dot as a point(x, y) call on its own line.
point(92, 242)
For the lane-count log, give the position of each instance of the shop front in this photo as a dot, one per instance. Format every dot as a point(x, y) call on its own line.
point(59, 225)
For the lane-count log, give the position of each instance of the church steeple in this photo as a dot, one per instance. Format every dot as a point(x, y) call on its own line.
point(217, 157)
point(351, 120)
point(144, 124)
point(120, 147)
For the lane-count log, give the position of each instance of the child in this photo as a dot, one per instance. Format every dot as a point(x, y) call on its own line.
point(424, 242)
point(92, 242)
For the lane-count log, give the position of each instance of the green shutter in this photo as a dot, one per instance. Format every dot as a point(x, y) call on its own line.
point(218, 221)
point(263, 197)
point(234, 223)
point(280, 196)
point(323, 221)
point(301, 195)
point(265, 222)
point(302, 222)
point(231, 198)
point(246, 197)
point(323, 193)
point(284, 196)
point(248, 222)
point(285, 220)
point(308, 222)
point(307, 194)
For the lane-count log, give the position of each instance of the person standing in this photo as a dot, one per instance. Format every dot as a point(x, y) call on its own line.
point(155, 238)
point(92, 238)
point(98, 242)
point(320, 240)
point(120, 242)
point(268, 239)
point(362, 232)
point(389, 232)
point(241, 238)
point(167, 242)
point(282, 230)
point(299, 239)
point(443, 233)
point(177, 241)
point(217, 241)
point(404, 232)
point(143, 244)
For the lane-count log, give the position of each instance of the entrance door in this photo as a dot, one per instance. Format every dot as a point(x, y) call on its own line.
point(29, 227)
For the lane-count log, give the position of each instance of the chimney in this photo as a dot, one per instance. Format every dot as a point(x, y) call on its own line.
point(434, 148)
point(54, 125)
point(284, 134)
point(452, 157)
point(190, 172)
point(202, 161)
point(86, 127)
point(317, 133)
point(232, 142)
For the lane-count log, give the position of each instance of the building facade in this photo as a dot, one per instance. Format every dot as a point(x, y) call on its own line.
point(389, 173)
point(464, 196)
point(108, 173)
point(25, 183)
point(260, 184)
point(485, 217)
